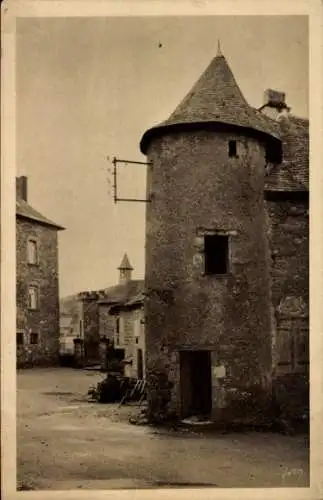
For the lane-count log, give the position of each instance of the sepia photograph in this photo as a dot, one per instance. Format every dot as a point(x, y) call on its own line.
point(162, 252)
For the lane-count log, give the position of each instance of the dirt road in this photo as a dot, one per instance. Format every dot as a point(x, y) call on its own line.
point(66, 443)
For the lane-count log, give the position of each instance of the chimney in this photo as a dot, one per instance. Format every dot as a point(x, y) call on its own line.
point(274, 103)
point(125, 270)
point(21, 188)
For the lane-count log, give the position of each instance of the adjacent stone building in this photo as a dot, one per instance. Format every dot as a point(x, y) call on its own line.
point(121, 320)
point(37, 291)
point(226, 253)
point(129, 335)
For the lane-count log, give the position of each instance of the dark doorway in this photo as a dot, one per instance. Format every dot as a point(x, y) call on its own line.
point(115, 358)
point(119, 354)
point(91, 353)
point(196, 385)
point(140, 368)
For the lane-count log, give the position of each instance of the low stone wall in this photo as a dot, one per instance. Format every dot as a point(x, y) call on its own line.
point(159, 395)
point(291, 398)
point(36, 361)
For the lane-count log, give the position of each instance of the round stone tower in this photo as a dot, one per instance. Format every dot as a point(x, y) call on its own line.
point(208, 320)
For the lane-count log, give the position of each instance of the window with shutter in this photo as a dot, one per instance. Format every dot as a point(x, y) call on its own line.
point(32, 252)
point(33, 297)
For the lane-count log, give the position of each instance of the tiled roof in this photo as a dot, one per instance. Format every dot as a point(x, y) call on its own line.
point(125, 264)
point(293, 173)
point(129, 294)
point(138, 299)
point(215, 98)
point(26, 211)
point(123, 293)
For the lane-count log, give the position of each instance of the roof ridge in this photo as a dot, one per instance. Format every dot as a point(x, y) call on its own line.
point(27, 211)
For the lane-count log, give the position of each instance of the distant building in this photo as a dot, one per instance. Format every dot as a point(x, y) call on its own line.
point(115, 295)
point(130, 335)
point(81, 311)
point(66, 339)
point(226, 252)
point(87, 320)
point(121, 319)
point(37, 283)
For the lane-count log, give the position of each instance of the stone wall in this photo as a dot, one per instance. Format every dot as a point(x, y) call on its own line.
point(43, 321)
point(91, 331)
point(91, 321)
point(139, 340)
point(106, 322)
point(133, 340)
point(196, 187)
point(289, 242)
point(288, 232)
point(131, 337)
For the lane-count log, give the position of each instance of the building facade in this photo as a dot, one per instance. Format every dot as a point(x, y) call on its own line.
point(121, 319)
point(226, 251)
point(87, 322)
point(37, 291)
point(129, 335)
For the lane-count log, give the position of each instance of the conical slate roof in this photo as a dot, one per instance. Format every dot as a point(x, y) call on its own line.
point(125, 264)
point(215, 98)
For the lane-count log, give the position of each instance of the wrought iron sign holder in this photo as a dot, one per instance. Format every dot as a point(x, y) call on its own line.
point(115, 163)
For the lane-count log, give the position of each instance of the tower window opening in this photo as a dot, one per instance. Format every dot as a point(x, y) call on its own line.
point(117, 332)
point(216, 249)
point(232, 149)
point(20, 338)
point(274, 154)
point(34, 338)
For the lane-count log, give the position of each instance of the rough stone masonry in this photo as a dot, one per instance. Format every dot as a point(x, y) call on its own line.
point(210, 335)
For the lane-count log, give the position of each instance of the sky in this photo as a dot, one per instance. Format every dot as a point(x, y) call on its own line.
point(88, 88)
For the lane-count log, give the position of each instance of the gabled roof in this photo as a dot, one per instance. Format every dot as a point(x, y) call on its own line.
point(120, 294)
point(26, 211)
point(293, 173)
point(138, 299)
point(126, 294)
point(125, 264)
point(133, 302)
point(215, 98)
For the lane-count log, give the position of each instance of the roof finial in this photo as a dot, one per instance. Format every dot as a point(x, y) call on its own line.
point(219, 53)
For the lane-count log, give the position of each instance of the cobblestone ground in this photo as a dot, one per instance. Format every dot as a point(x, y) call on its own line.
point(64, 442)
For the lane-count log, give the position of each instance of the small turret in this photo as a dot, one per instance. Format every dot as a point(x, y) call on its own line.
point(125, 270)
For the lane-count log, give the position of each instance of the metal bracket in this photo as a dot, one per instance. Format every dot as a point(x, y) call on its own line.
point(115, 161)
